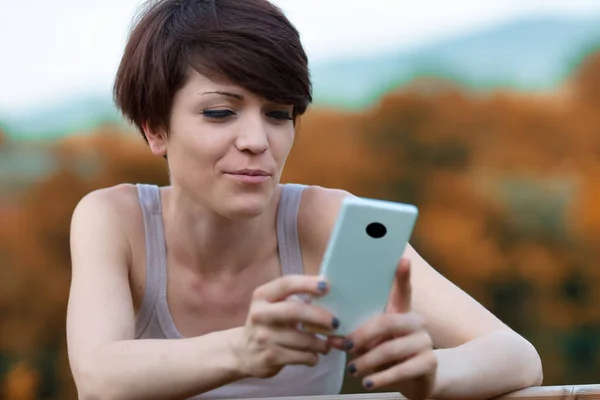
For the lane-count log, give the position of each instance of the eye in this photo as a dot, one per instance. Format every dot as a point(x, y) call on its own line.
point(280, 115)
point(217, 114)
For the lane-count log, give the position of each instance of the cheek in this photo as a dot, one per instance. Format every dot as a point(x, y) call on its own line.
point(203, 145)
point(281, 144)
point(196, 154)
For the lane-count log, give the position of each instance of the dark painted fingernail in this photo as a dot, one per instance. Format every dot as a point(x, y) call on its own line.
point(352, 369)
point(348, 345)
point(335, 323)
point(322, 286)
point(368, 384)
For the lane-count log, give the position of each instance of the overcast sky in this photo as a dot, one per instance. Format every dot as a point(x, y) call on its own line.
point(50, 50)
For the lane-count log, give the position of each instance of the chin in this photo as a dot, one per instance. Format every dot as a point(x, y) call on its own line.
point(241, 213)
point(243, 201)
point(245, 206)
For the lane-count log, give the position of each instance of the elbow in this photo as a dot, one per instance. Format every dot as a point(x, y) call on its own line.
point(537, 373)
point(522, 365)
point(88, 385)
point(92, 384)
point(532, 369)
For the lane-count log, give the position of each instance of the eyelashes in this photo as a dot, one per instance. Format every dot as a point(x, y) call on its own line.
point(280, 115)
point(220, 115)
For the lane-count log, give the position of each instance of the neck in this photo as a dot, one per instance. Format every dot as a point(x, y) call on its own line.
point(213, 244)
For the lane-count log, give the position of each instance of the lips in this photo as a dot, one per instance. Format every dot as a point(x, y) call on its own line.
point(250, 172)
point(250, 176)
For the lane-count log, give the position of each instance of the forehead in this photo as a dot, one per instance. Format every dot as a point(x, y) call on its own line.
point(197, 83)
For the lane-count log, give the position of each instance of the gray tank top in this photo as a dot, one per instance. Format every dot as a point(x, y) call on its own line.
point(154, 319)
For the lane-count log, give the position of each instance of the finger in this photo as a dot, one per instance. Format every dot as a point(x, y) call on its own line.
point(290, 313)
point(280, 356)
point(386, 325)
point(301, 341)
point(315, 329)
point(390, 353)
point(403, 286)
point(336, 342)
point(421, 367)
point(372, 344)
point(341, 343)
point(294, 357)
point(286, 286)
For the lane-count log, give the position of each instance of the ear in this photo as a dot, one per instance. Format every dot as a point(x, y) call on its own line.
point(157, 140)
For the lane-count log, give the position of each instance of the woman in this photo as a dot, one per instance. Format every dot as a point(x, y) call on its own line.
point(215, 259)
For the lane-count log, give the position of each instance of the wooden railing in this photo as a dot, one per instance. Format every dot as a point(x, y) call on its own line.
point(577, 392)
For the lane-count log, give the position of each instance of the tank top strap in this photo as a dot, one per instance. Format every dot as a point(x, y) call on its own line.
point(287, 229)
point(149, 196)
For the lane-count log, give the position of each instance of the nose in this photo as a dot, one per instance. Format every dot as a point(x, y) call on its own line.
point(253, 135)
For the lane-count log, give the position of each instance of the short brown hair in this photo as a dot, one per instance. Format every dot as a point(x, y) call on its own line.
point(246, 42)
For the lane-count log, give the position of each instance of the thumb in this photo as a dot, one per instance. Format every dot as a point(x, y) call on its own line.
point(403, 286)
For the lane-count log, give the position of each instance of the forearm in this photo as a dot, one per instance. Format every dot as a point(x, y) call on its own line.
point(486, 367)
point(158, 369)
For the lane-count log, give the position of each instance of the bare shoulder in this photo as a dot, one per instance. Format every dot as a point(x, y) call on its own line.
point(115, 199)
point(317, 214)
point(115, 202)
point(105, 214)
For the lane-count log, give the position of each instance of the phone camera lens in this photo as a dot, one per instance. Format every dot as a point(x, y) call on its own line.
point(376, 230)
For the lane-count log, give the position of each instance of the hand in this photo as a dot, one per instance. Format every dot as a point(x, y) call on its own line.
point(394, 350)
point(271, 339)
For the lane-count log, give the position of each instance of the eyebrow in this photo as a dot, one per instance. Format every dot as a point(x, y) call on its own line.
point(228, 94)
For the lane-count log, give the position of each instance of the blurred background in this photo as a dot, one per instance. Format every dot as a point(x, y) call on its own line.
point(483, 113)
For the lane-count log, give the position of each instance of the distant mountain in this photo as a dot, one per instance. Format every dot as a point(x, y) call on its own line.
point(62, 118)
point(528, 54)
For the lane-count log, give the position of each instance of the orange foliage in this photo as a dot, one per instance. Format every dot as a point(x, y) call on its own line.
point(330, 151)
point(586, 82)
point(21, 383)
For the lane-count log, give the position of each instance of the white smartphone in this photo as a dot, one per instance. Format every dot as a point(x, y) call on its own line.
point(360, 262)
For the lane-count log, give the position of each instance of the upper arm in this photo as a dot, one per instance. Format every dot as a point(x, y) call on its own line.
point(452, 316)
point(316, 218)
point(100, 307)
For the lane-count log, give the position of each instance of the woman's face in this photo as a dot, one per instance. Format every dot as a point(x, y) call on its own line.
point(226, 147)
